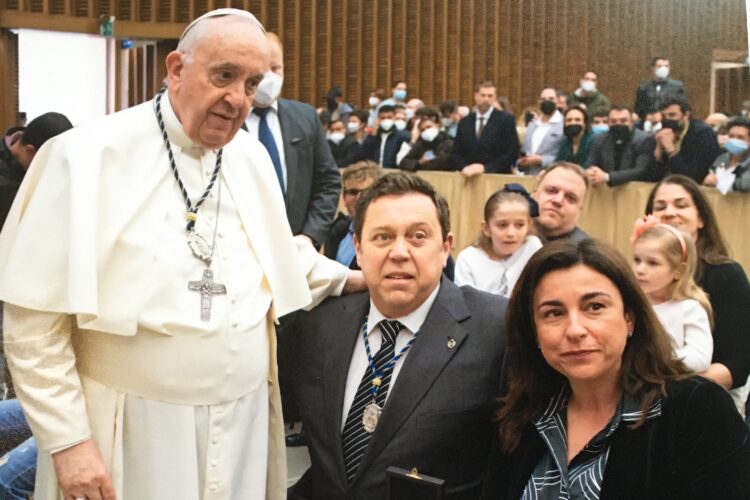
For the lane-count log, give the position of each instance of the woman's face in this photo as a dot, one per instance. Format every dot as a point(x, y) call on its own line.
point(575, 117)
point(581, 326)
point(673, 205)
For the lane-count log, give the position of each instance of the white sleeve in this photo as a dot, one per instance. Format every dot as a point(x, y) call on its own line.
point(698, 347)
point(324, 276)
point(462, 274)
point(40, 356)
point(402, 152)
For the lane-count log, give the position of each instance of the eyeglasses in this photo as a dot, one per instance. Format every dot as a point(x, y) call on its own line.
point(352, 192)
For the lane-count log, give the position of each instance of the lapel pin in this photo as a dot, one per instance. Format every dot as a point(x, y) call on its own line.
point(451, 343)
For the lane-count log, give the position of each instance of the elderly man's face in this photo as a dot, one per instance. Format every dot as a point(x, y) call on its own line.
point(212, 87)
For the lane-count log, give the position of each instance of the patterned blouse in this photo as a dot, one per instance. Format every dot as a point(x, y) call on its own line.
point(553, 478)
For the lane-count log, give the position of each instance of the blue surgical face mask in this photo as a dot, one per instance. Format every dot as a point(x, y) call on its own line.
point(735, 146)
point(399, 94)
point(600, 128)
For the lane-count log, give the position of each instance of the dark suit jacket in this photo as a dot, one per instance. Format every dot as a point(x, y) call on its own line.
point(313, 181)
point(697, 449)
point(441, 147)
point(636, 157)
point(698, 150)
point(338, 231)
point(345, 151)
point(648, 99)
point(370, 149)
point(497, 149)
point(438, 414)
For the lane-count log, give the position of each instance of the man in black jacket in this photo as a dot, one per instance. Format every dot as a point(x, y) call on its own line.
point(486, 139)
point(683, 145)
point(652, 95)
point(622, 154)
point(384, 142)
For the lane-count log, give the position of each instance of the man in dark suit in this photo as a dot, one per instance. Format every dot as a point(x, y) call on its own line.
point(652, 95)
point(683, 145)
point(486, 139)
point(622, 154)
point(405, 375)
point(384, 141)
point(306, 169)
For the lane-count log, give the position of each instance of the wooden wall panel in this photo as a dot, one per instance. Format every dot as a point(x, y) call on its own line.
point(442, 48)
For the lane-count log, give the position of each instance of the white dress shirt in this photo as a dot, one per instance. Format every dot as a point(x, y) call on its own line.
point(253, 121)
point(486, 115)
point(359, 363)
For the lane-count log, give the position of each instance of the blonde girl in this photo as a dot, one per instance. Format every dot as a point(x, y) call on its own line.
point(664, 261)
point(495, 261)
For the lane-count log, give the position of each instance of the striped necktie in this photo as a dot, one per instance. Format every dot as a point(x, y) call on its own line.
point(355, 437)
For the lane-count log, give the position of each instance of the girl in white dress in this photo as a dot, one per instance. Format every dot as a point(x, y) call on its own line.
point(664, 261)
point(495, 261)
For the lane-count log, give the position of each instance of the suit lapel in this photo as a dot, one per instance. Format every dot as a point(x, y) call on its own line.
point(428, 356)
point(343, 334)
point(290, 136)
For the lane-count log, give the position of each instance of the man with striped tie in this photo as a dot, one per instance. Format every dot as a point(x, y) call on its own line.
point(407, 373)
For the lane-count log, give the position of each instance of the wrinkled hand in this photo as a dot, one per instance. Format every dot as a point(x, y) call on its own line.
point(596, 175)
point(472, 170)
point(710, 180)
point(82, 473)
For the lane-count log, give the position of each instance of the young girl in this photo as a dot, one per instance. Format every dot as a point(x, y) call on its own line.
point(664, 260)
point(495, 261)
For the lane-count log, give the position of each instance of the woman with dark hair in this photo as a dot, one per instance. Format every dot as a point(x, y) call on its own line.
point(678, 201)
point(576, 145)
point(597, 406)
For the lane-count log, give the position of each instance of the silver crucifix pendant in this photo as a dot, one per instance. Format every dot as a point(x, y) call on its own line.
point(207, 289)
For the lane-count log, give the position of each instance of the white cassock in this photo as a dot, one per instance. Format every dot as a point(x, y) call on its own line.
point(105, 339)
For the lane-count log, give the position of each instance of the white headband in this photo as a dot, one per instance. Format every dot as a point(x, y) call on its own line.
point(221, 13)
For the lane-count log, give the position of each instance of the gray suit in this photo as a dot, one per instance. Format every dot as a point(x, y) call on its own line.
point(313, 180)
point(438, 414)
point(548, 147)
point(637, 156)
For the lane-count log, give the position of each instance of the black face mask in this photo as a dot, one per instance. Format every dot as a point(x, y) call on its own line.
point(548, 107)
point(620, 133)
point(571, 131)
point(675, 125)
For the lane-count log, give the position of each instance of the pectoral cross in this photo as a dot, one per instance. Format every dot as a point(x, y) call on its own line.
point(207, 289)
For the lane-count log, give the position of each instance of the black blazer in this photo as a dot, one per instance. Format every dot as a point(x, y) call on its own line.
point(338, 231)
point(370, 149)
point(313, 180)
point(498, 147)
point(438, 414)
point(697, 449)
point(651, 94)
point(345, 151)
point(698, 150)
point(636, 157)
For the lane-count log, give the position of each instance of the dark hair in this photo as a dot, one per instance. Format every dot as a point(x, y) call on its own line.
point(362, 115)
point(710, 244)
point(400, 183)
point(648, 361)
point(44, 127)
point(671, 101)
point(658, 58)
point(740, 121)
point(448, 107)
point(601, 111)
point(620, 107)
point(337, 120)
point(386, 108)
point(586, 118)
point(484, 85)
point(429, 112)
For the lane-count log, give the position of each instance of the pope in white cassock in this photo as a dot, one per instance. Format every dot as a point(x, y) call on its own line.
point(145, 260)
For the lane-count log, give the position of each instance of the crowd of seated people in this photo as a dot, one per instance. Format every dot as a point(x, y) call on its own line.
point(616, 143)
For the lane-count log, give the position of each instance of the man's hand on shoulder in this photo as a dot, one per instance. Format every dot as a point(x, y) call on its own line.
point(355, 282)
point(82, 473)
